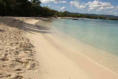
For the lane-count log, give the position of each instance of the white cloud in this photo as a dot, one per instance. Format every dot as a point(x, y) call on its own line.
point(62, 8)
point(55, 1)
point(77, 4)
point(94, 5)
point(97, 5)
point(63, 1)
point(46, 1)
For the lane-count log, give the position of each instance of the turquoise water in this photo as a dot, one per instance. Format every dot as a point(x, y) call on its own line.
point(102, 34)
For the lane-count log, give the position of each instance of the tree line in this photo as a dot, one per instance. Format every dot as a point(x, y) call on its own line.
point(33, 8)
point(24, 8)
point(80, 15)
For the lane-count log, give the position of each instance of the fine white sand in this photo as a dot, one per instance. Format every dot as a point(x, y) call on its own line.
point(29, 42)
point(59, 60)
point(16, 51)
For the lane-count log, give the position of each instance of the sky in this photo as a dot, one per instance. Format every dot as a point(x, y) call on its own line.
point(107, 7)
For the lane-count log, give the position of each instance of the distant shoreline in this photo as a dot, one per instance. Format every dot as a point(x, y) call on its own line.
point(77, 18)
point(62, 17)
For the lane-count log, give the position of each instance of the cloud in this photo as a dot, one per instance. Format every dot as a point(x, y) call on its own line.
point(77, 4)
point(94, 5)
point(62, 8)
point(46, 1)
point(54, 1)
point(63, 1)
point(97, 5)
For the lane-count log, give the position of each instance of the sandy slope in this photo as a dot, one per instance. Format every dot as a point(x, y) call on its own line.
point(53, 64)
point(58, 60)
point(16, 51)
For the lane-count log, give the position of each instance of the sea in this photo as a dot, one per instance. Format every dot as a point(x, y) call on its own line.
point(95, 38)
point(101, 34)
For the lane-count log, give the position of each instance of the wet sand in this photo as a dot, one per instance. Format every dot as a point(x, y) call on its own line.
point(60, 60)
point(48, 57)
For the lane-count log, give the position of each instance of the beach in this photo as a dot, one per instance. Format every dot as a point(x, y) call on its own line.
point(16, 51)
point(62, 61)
point(52, 57)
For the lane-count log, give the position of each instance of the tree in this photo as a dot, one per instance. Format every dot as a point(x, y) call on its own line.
point(35, 2)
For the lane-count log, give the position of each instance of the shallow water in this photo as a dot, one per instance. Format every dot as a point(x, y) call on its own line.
point(102, 34)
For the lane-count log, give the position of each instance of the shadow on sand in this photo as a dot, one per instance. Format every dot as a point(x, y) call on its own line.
point(1, 30)
point(13, 22)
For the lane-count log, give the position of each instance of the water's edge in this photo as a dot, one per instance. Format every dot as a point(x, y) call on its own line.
point(105, 58)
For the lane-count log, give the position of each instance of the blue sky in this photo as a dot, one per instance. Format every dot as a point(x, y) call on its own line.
point(109, 7)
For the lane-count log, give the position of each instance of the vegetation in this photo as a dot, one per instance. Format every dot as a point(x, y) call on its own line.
point(92, 16)
point(24, 8)
point(19, 7)
point(33, 8)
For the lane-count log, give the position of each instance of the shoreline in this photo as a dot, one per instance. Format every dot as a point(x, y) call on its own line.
point(102, 57)
point(54, 54)
point(55, 57)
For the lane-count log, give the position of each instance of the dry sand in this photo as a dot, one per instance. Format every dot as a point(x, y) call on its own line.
point(16, 52)
point(59, 62)
point(56, 59)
